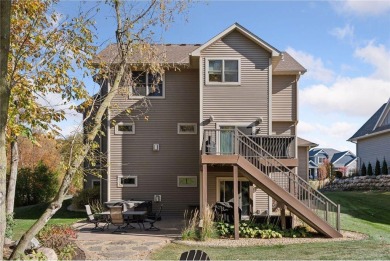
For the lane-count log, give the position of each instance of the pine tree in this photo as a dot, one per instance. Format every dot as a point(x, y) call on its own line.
point(385, 170)
point(369, 169)
point(377, 168)
point(364, 170)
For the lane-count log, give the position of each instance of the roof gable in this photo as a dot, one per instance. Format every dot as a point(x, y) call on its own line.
point(375, 124)
point(245, 32)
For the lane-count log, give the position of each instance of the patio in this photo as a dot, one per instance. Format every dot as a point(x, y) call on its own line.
point(131, 244)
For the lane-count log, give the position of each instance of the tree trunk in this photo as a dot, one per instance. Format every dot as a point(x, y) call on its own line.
point(56, 204)
point(5, 92)
point(13, 176)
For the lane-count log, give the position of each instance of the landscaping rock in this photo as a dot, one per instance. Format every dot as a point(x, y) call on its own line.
point(48, 252)
point(381, 182)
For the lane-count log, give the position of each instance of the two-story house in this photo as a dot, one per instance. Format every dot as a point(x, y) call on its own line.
point(373, 138)
point(343, 161)
point(222, 128)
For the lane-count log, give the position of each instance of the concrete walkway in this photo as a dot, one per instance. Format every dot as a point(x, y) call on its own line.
point(132, 244)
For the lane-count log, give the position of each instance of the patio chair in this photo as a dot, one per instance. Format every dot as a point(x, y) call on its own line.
point(92, 219)
point(153, 220)
point(117, 218)
point(194, 255)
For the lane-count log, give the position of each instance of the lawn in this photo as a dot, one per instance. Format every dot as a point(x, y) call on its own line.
point(26, 216)
point(366, 212)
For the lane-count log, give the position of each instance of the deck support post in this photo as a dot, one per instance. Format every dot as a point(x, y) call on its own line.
point(283, 216)
point(236, 214)
point(338, 218)
point(204, 189)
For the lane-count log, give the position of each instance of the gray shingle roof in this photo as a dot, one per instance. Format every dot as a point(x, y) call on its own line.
point(288, 64)
point(344, 161)
point(165, 53)
point(368, 127)
point(179, 53)
point(306, 143)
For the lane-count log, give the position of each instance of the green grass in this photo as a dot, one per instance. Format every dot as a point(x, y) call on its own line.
point(366, 212)
point(26, 216)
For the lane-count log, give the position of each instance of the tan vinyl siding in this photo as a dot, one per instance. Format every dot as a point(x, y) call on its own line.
point(284, 98)
point(244, 103)
point(303, 167)
point(157, 171)
point(283, 128)
point(376, 147)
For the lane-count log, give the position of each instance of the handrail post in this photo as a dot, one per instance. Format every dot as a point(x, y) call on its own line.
point(236, 152)
point(326, 211)
point(204, 143)
point(338, 218)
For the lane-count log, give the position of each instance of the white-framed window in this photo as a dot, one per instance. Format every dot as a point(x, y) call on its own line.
point(127, 181)
point(95, 183)
point(187, 128)
point(226, 71)
point(321, 160)
point(187, 181)
point(125, 128)
point(147, 84)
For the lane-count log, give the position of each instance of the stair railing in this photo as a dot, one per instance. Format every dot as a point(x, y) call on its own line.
point(287, 179)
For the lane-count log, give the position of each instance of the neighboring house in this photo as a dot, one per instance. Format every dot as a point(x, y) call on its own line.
point(343, 161)
point(373, 138)
point(230, 112)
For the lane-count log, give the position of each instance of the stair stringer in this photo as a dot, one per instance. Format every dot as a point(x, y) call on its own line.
point(270, 187)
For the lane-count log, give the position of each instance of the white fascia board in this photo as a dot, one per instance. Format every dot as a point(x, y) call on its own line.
point(368, 135)
point(384, 113)
point(245, 32)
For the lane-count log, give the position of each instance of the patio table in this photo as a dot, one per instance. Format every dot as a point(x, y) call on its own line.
point(140, 216)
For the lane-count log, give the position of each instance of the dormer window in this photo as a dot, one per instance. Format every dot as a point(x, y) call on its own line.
point(147, 84)
point(223, 71)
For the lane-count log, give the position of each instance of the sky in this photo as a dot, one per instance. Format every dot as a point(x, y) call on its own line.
point(344, 45)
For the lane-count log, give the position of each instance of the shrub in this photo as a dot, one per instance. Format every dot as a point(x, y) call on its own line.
point(200, 229)
point(87, 196)
point(364, 170)
point(385, 170)
point(35, 186)
point(190, 230)
point(60, 238)
point(369, 169)
point(10, 224)
point(207, 227)
point(377, 168)
point(338, 174)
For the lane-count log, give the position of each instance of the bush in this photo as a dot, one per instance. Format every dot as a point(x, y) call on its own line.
point(87, 196)
point(377, 168)
point(369, 169)
point(35, 186)
point(10, 224)
point(60, 238)
point(197, 229)
point(385, 170)
point(364, 170)
point(338, 174)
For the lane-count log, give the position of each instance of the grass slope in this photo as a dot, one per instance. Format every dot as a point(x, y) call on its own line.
point(25, 217)
point(366, 212)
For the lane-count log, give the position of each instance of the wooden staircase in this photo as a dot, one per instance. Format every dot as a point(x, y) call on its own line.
point(284, 185)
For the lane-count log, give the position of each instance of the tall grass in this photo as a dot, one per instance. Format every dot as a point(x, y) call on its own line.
point(199, 227)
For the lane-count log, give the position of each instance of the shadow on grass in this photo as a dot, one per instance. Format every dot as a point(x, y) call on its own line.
point(372, 206)
point(35, 211)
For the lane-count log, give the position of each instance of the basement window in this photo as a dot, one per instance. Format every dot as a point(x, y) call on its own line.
point(127, 181)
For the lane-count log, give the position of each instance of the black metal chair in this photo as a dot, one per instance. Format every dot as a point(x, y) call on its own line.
point(92, 219)
point(153, 220)
point(194, 255)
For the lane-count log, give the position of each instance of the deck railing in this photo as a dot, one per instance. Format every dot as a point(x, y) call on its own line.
point(222, 142)
point(234, 142)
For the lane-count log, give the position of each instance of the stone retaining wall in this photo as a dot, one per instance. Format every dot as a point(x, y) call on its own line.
point(381, 182)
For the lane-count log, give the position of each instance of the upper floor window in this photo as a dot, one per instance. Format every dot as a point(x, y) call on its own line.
point(147, 84)
point(226, 71)
point(321, 160)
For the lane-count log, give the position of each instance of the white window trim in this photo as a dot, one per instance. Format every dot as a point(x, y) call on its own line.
point(187, 133)
point(149, 97)
point(187, 186)
point(117, 131)
point(223, 64)
point(120, 185)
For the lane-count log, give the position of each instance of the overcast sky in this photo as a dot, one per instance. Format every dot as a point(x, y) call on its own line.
point(345, 46)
